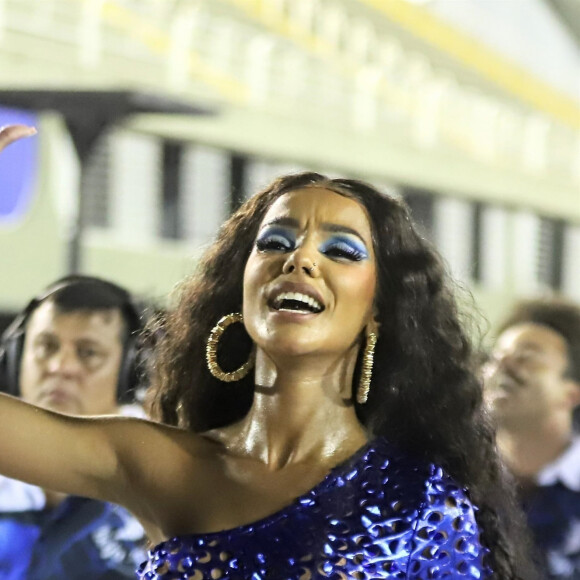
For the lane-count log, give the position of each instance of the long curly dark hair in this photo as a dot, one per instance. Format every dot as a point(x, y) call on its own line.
point(424, 395)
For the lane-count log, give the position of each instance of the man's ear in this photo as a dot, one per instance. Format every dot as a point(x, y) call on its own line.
point(573, 393)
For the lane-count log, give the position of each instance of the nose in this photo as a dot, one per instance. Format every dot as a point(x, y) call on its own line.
point(302, 260)
point(65, 362)
point(504, 361)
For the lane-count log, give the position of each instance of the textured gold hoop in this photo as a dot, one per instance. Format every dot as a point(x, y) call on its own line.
point(366, 374)
point(211, 351)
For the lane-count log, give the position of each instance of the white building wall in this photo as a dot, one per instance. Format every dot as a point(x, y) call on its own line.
point(135, 186)
point(205, 191)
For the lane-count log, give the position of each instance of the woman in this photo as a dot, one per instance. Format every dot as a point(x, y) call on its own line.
point(332, 431)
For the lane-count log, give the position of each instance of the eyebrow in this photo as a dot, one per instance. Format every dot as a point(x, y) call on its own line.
point(327, 227)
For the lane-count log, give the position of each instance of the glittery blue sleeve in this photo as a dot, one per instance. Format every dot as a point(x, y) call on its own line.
point(446, 540)
point(380, 515)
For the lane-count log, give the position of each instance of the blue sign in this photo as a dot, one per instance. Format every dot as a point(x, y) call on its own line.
point(18, 168)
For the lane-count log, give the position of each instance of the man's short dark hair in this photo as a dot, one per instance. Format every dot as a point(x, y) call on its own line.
point(83, 293)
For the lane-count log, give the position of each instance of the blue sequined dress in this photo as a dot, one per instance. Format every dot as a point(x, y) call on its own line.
point(379, 515)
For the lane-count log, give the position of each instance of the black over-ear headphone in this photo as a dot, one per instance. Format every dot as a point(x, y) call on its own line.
point(12, 341)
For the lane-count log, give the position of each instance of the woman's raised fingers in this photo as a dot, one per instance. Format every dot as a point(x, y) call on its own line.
point(12, 133)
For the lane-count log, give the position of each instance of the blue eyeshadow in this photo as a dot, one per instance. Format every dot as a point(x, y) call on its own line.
point(353, 243)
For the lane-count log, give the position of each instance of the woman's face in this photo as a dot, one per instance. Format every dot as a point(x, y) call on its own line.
point(310, 280)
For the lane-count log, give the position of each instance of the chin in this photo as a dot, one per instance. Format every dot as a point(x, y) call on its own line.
point(274, 338)
point(68, 407)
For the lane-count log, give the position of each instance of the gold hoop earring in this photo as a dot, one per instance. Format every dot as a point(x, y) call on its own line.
point(211, 351)
point(366, 374)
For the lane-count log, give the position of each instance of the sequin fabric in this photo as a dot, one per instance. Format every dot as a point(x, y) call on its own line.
point(379, 515)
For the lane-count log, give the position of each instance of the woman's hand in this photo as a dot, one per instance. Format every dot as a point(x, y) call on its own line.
point(12, 133)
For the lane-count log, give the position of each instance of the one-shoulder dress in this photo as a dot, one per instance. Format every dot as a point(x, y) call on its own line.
point(379, 515)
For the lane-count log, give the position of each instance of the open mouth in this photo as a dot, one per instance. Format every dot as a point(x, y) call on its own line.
point(296, 302)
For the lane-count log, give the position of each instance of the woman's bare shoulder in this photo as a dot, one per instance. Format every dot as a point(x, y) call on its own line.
point(154, 456)
point(134, 433)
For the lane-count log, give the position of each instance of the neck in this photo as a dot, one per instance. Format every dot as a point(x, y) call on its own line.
point(532, 445)
point(303, 409)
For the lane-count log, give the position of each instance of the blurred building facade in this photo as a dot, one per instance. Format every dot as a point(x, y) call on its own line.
point(437, 101)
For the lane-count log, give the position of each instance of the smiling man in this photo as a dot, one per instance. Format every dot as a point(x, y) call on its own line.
point(532, 385)
point(73, 351)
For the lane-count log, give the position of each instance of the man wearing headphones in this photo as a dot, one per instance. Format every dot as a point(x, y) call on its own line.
point(73, 350)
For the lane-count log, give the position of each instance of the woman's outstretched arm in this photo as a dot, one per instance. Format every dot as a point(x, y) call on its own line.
point(123, 460)
point(75, 455)
point(51, 450)
point(12, 133)
point(47, 449)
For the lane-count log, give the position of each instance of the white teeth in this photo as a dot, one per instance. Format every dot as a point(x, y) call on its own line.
point(298, 297)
